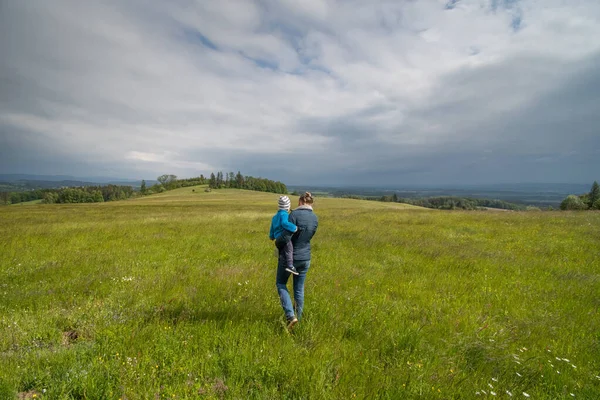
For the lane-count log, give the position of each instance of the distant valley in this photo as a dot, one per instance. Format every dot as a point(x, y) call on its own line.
point(535, 194)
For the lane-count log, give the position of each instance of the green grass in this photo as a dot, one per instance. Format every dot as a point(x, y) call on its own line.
point(173, 296)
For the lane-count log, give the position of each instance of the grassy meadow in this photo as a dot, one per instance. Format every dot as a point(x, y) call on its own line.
point(172, 296)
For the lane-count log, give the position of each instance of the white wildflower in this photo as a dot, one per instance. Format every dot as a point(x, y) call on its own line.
point(490, 385)
point(572, 394)
point(525, 394)
point(493, 393)
point(573, 365)
point(509, 393)
point(565, 360)
point(557, 371)
point(478, 393)
point(483, 391)
point(519, 375)
point(495, 379)
point(558, 359)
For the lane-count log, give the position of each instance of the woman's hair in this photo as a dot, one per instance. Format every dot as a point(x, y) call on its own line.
point(307, 198)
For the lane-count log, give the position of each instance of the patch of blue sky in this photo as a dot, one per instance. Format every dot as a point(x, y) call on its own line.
point(451, 4)
point(512, 5)
point(305, 68)
point(262, 63)
point(474, 50)
point(516, 22)
point(197, 37)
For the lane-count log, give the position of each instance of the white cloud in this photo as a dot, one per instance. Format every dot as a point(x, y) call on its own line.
point(176, 86)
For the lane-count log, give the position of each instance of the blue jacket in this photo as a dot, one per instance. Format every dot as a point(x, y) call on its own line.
point(307, 223)
point(280, 222)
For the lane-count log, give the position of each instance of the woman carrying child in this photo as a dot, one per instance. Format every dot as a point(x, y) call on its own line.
point(306, 222)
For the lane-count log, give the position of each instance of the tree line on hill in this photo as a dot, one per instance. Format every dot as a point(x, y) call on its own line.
point(587, 201)
point(85, 194)
point(219, 180)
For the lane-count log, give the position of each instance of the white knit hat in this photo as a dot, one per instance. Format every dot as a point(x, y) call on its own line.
point(284, 203)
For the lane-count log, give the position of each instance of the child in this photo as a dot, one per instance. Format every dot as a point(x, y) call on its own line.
point(279, 223)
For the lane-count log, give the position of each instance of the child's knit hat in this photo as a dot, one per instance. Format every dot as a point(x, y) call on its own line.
point(284, 203)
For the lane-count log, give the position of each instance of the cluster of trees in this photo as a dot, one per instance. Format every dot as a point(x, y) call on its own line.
point(199, 180)
point(82, 194)
point(170, 182)
point(88, 194)
point(21, 197)
point(73, 195)
point(239, 181)
point(219, 180)
point(228, 180)
point(452, 203)
point(587, 201)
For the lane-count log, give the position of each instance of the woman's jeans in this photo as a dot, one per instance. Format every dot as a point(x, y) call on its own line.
point(284, 295)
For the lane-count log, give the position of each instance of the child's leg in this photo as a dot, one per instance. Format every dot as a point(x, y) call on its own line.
point(288, 253)
point(283, 239)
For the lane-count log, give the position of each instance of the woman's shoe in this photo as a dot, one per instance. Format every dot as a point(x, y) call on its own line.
point(292, 322)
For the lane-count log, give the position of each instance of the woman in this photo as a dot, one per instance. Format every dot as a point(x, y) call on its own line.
point(306, 221)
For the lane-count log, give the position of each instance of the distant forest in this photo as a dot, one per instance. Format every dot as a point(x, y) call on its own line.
point(458, 203)
point(99, 194)
point(450, 202)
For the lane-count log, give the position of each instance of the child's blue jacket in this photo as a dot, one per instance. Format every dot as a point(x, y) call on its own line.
point(280, 222)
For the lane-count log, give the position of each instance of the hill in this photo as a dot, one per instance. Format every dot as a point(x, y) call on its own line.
point(173, 296)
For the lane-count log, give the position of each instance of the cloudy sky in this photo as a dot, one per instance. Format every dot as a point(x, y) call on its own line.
point(307, 92)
